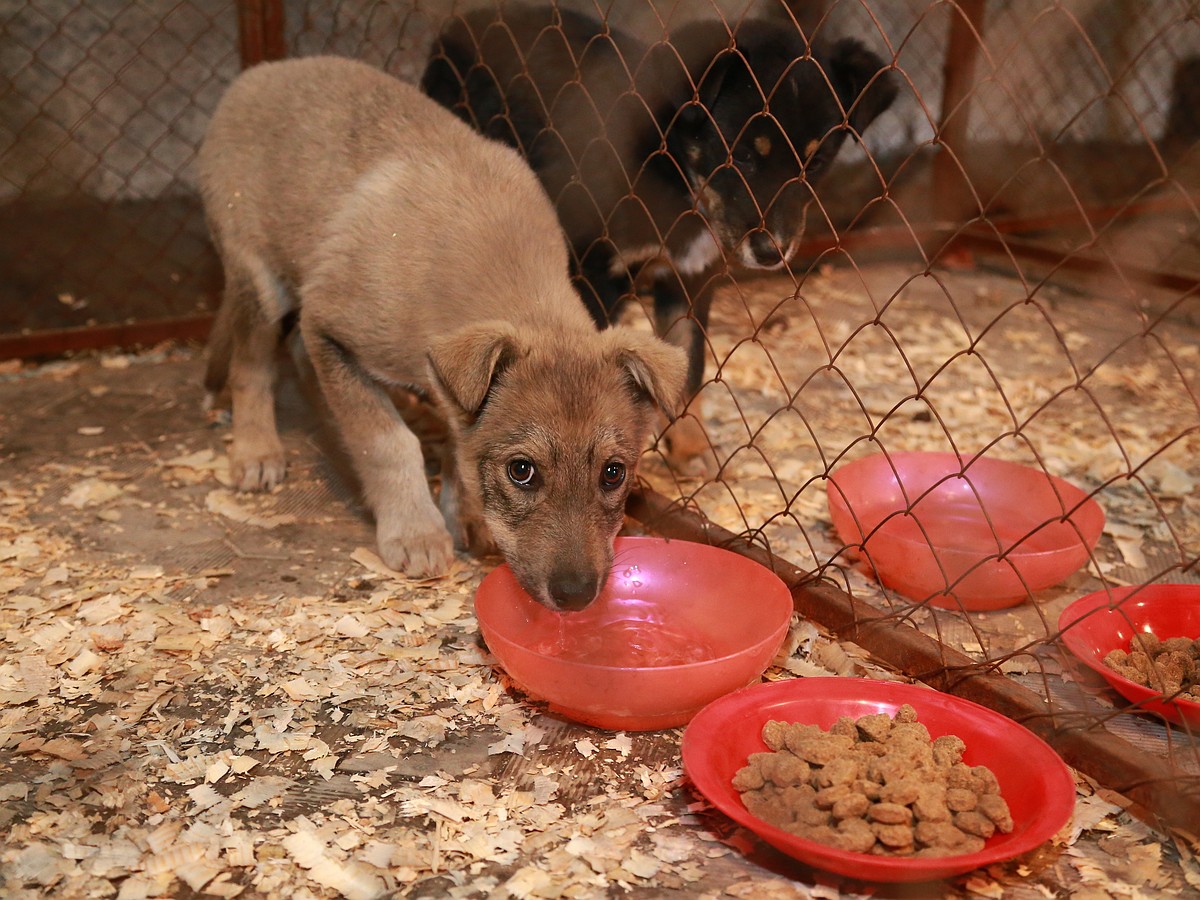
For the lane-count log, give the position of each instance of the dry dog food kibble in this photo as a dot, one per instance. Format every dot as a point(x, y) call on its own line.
point(877, 785)
point(1171, 667)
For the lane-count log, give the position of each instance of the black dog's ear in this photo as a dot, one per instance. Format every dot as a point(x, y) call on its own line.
point(464, 365)
point(695, 123)
point(725, 68)
point(864, 86)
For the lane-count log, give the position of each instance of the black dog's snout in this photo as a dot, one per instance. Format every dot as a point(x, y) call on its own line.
point(573, 590)
point(766, 249)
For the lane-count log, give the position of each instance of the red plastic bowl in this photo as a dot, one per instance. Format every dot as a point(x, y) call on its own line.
point(977, 534)
point(678, 625)
point(1095, 625)
point(1038, 787)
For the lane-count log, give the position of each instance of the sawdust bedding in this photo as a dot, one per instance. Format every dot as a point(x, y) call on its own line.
point(162, 737)
point(150, 748)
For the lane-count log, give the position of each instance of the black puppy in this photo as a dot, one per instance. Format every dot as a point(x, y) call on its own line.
point(688, 153)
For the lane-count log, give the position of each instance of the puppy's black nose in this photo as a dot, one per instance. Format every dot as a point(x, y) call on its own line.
point(573, 590)
point(766, 249)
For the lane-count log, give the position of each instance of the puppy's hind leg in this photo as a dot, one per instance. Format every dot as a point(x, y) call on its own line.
point(387, 457)
point(256, 459)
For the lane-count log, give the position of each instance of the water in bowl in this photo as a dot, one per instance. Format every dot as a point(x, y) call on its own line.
point(629, 642)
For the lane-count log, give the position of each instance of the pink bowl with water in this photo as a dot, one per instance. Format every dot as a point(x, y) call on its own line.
point(678, 625)
point(962, 533)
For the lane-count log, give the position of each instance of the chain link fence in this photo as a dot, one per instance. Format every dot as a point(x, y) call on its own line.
point(102, 107)
point(1006, 266)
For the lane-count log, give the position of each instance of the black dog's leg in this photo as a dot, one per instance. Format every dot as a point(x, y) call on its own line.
point(681, 307)
point(602, 291)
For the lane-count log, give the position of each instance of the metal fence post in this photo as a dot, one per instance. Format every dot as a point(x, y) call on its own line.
point(260, 31)
point(950, 188)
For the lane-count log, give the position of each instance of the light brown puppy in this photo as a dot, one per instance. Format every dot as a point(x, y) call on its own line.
point(422, 256)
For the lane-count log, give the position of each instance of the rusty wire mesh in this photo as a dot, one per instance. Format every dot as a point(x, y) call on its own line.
point(1005, 266)
point(1019, 283)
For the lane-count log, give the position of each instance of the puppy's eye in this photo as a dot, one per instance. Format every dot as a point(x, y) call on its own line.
point(522, 472)
point(612, 476)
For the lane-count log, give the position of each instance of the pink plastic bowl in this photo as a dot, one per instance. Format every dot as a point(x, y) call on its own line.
point(976, 535)
point(1038, 787)
point(678, 625)
point(1095, 625)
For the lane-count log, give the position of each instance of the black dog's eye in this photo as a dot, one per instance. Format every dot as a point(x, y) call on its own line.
point(743, 157)
point(521, 472)
point(612, 476)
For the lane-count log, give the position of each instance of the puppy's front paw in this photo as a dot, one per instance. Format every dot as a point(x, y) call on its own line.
point(416, 551)
point(256, 470)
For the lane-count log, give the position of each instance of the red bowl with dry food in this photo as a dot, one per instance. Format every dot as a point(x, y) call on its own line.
point(1094, 626)
point(1038, 788)
point(972, 534)
point(678, 625)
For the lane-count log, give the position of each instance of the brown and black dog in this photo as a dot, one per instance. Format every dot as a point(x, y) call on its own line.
point(422, 256)
point(683, 155)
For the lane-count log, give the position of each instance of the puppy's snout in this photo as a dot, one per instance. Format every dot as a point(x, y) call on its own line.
point(767, 249)
point(573, 590)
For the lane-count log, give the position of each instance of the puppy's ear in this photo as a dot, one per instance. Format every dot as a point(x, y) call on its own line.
point(864, 87)
point(463, 366)
point(656, 369)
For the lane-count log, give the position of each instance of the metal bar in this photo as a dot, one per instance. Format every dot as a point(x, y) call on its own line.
point(1096, 216)
point(46, 344)
point(935, 242)
point(899, 237)
point(1075, 261)
point(1092, 750)
point(962, 52)
point(904, 237)
point(260, 31)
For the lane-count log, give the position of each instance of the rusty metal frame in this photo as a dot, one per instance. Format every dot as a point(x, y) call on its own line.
point(1076, 261)
point(124, 336)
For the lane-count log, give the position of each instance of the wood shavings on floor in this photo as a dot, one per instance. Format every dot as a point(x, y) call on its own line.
point(211, 694)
